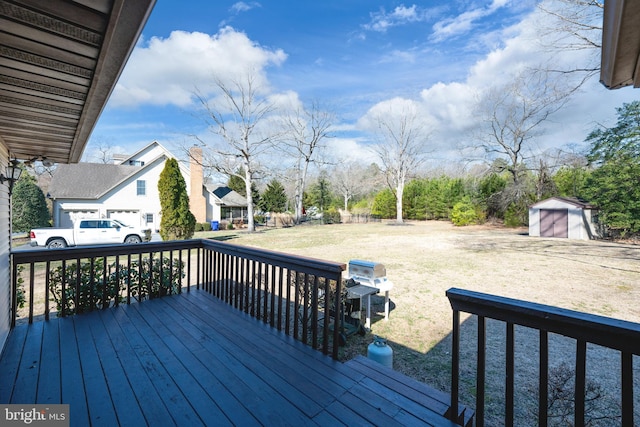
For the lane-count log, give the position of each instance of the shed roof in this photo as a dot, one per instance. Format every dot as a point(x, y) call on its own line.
point(574, 201)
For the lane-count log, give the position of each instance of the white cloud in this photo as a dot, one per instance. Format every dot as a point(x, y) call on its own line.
point(167, 71)
point(243, 6)
point(464, 22)
point(450, 105)
point(382, 20)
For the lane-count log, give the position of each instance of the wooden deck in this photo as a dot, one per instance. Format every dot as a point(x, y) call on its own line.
point(192, 360)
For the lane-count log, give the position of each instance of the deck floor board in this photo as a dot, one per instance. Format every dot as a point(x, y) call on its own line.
point(190, 359)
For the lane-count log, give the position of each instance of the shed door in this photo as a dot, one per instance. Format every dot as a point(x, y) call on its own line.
point(554, 223)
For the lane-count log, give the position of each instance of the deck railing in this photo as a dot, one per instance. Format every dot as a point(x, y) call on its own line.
point(294, 294)
point(621, 336)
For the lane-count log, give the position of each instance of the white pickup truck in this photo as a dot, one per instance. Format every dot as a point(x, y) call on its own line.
point(89, 232)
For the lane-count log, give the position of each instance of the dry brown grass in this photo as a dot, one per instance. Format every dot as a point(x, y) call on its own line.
point(424, 259)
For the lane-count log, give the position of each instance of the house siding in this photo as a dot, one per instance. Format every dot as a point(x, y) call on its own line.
point(5, 245)
point(124, 198)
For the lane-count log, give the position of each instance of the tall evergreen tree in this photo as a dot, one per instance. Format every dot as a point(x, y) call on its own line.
point(320, 193)
point(612, 185)
point(177, 223)
point(274, 198)
point(29, 205)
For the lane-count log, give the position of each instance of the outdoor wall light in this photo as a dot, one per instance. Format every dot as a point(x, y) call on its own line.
point(13, 172)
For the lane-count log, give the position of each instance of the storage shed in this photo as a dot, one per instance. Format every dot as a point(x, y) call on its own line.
point(562, 217)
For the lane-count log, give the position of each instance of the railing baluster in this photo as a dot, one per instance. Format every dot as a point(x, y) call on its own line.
point(455, 365)
point(254, 278)
point(151, 275)
point(543, 386)
point(279, 299)
point(338, 305)
point(296, 319)
point(128, 279)
point(265, 294)
point(14, 293)
point(481, 370)
point(314, 312)
point(581, 373)
point(627, 389)
point(47, 278)
point(32, 272)
point(117, 284)
point(272, 290)
point(509, 388)
point(287, 312)
point(327, 315)
point(63, 286)
point(305, 309)
point(105, 283)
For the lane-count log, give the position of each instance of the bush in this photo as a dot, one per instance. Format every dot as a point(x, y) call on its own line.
point(516, 216)
point(331, 216)
point(99, 289)
point(466, 213)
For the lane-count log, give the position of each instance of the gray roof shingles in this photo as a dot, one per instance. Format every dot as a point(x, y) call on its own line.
point(88, 180)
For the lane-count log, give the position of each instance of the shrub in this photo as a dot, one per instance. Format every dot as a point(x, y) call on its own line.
point(331, 216)
point(465, 213)
point(98, 289)
point(516, 215)
point(20, 296)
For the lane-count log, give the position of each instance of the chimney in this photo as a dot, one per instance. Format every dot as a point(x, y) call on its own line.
point(197, 201)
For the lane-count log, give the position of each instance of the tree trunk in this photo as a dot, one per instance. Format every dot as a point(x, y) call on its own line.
point(399, 193)
point(247, 182)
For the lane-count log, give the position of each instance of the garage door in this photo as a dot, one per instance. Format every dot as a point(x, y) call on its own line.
point(67, 217)
point(126, 217)
point(554, 223)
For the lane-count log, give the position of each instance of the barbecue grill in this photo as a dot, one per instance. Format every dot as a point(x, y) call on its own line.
point(370, 275)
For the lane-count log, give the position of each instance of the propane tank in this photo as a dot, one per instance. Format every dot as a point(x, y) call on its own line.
point(380, 352)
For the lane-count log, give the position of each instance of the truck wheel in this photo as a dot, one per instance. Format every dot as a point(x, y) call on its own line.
point(57, 244)
point(132, 239)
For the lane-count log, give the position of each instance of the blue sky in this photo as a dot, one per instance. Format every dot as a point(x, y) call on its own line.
point(350, 55)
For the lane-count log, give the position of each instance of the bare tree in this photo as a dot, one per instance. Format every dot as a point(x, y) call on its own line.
point(306, 130)
point(401, 136)
point(239, 118)
point(351, 179)
point(513, 114)
point(573, 25)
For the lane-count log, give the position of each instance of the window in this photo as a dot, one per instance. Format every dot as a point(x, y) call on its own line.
point(136, 163)
point(149, 218)
point(141, 187)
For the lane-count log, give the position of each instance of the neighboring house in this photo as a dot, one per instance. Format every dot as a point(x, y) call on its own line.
point(128, 190)
point(562, 217)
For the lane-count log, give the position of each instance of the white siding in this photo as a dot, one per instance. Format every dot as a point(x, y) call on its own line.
point(5, 241)
point(124, 198)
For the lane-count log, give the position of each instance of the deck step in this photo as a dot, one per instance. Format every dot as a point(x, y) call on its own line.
point(420, 392)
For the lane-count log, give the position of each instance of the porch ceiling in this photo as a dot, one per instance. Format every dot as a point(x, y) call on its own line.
point(620, 65)
point(59, 62)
